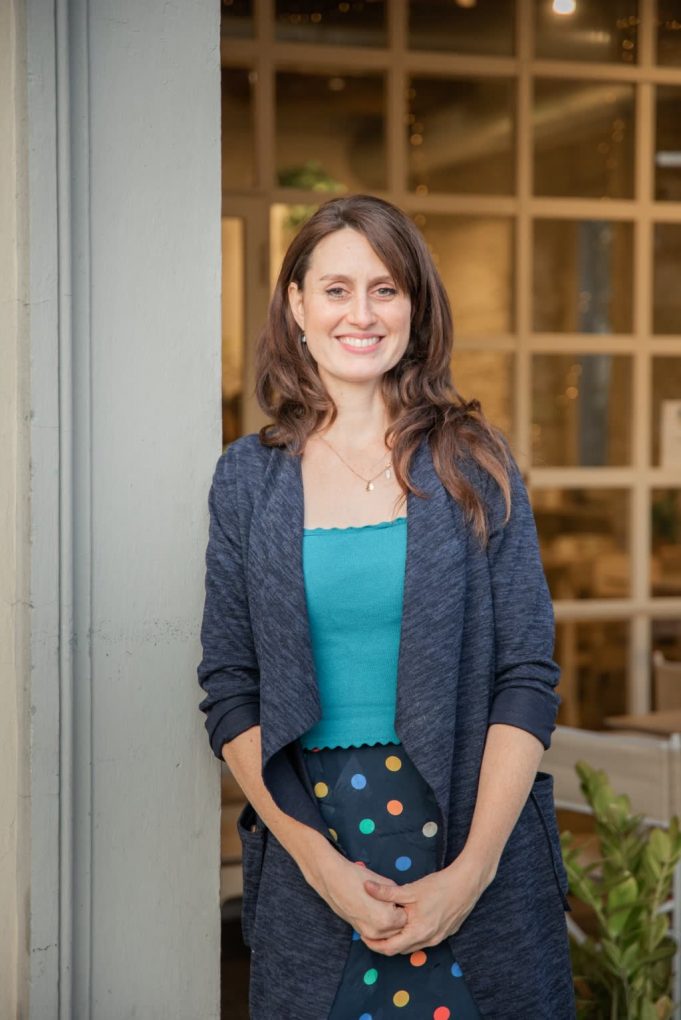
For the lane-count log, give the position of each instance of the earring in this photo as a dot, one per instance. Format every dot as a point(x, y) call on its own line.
point(303, 338)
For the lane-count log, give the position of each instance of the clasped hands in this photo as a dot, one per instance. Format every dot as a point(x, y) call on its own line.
point(392, 918)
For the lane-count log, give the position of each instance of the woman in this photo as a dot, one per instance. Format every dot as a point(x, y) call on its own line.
point(378, 640)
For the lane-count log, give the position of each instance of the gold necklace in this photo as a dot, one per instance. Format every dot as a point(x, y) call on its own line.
point(369, 481)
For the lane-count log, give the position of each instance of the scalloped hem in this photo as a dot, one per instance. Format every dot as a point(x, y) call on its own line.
point(370, 742)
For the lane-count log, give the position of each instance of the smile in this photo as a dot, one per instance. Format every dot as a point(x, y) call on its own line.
point(360, 343)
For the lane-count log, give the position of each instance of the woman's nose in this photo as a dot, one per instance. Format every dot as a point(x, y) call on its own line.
point(361, 311)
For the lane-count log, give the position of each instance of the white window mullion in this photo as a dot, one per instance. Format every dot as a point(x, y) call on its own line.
point(639, 504)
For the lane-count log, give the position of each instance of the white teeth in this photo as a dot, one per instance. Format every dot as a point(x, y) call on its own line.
point(354, 341)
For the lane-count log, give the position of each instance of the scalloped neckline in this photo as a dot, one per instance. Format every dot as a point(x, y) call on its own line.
point(357, 527)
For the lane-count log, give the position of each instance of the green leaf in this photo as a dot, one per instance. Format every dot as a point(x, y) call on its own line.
point(659, 927)
point(620, 898)
point(648, 1011)
point(663, 953)
point(660, 845)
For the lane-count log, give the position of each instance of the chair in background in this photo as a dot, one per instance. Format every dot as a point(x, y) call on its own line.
point(666, 682)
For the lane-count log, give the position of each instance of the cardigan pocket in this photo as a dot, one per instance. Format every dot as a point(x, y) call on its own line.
point(252, 833)
point(541, 795)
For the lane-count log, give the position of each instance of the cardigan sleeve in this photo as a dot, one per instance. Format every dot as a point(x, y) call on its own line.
point(228, 672)
point(526, 674)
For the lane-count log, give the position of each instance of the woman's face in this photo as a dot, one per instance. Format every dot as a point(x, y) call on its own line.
point(356, 321)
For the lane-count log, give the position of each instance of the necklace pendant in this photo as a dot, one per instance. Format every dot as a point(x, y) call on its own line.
point(370, 487)
point(387, 472)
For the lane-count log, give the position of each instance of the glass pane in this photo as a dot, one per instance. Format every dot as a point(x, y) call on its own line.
point(667, 273)
point(232, 326)
point(666, 408)
point(327, 21)
point(487, 26)
point(330, 131)
point(583, 138)
point(669, 33)
point(285, 222)
point(584, 538)
point(582, 276)
point(668, 143)
point(236, 20)
point(461, 135)
point(666, 637)
point(474, 256)
point(665, 566)
point(600, 30)
point(593, 658)
point(238, 163)
point(488, 377)
point(581, 410)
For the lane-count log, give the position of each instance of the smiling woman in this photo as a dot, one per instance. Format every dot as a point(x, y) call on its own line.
point(381, 684)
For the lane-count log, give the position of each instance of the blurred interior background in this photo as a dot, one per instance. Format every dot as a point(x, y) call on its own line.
point(537, 145)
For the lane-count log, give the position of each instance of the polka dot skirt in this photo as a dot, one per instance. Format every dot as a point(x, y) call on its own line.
point(384, 816)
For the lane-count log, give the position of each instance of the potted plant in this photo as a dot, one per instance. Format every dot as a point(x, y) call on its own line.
point(623, 966)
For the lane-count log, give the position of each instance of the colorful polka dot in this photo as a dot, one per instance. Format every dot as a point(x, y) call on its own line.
point(334, 835)
point(441, 1013)
point(395, 807)
point(371, 976)
point(356, 936)
point(456, 970)
point(403, 863)
point(366, 1016)
point(359, 781)
point(361, 864)
point(401, 998)
point(418, 958)
point(429, 830)
point(367, 826)
point(393, 763)
point(320, 789)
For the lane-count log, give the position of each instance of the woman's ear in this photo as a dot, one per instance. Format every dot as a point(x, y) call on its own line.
point(295, 300)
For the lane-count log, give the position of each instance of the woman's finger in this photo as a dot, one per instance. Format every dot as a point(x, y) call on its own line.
point(379, 935)
point(389, 924)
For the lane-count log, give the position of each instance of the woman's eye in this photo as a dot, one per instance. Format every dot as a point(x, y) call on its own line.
point(333, 291)
point(390, 290)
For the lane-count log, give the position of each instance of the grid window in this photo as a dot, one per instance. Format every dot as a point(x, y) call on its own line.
point(539, 154)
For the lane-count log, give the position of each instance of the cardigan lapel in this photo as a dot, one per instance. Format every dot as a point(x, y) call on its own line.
point(432, 620)
point(432, 627)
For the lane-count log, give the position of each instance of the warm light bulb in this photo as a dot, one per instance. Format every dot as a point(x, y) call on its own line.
point(564, 6)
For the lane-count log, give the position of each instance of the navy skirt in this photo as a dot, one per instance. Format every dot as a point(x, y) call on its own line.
point(382, 814)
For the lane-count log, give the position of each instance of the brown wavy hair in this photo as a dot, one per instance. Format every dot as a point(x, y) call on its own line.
point(418, 391)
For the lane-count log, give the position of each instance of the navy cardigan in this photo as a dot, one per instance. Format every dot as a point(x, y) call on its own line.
point(476, 648)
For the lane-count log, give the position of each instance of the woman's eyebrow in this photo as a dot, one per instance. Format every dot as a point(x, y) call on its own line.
point(348, 279)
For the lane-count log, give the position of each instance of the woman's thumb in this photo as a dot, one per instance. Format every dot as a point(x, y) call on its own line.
point(381, 891)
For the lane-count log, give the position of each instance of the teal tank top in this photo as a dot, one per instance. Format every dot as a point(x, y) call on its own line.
point(354, 582)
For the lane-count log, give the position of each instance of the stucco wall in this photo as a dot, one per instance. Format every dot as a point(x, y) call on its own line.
point(13, 517)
